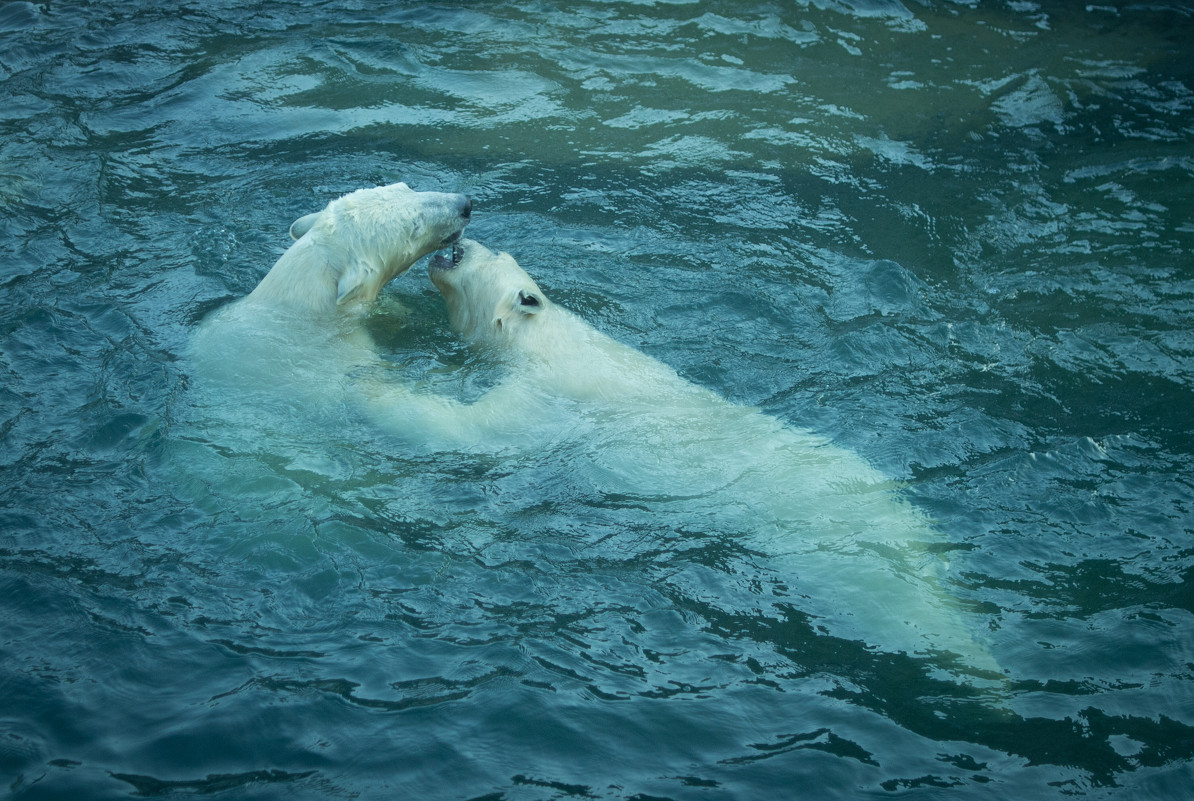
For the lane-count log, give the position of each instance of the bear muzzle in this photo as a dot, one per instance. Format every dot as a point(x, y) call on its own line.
point(441, 262)
point(464, 206)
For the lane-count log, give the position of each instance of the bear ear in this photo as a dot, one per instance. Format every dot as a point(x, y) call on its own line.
point(303, 224)
point(529, 302)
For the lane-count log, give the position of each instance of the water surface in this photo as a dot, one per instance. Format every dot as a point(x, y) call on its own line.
point(952, 237)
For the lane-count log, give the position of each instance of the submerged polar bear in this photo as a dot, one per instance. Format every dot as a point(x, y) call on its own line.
point(296, 337)
point(631, 431)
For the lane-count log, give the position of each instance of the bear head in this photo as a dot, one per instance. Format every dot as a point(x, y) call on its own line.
point(360, 242)
point(491, 300)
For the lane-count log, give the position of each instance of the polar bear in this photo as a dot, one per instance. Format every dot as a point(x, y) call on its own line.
point(290, 345)
point(631, 431)
point(344, 255)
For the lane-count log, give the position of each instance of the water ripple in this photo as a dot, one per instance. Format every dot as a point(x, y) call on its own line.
point(951, 237)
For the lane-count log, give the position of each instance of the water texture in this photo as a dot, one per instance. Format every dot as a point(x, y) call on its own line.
point(951, 237)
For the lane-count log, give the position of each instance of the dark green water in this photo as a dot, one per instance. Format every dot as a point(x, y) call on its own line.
point(952, 237)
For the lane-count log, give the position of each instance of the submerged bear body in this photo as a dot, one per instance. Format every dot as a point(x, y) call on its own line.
point(618, 430)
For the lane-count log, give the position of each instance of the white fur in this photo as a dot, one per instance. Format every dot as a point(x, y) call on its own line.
point(346, 253)
point(629, 427)
point(296, 338)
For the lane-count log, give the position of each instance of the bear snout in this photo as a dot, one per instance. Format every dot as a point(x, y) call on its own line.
point(466, 207)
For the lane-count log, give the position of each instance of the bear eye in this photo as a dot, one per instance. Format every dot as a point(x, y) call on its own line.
point(527, 300)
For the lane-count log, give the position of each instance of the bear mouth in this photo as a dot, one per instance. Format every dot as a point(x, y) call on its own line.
point(442, 262)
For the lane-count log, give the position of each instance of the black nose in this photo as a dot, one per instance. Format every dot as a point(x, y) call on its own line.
point(466, 208)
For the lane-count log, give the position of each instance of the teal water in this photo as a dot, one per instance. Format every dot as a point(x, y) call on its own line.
point(951, 237)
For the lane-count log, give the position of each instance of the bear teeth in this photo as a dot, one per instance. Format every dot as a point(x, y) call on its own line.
point(457, 254)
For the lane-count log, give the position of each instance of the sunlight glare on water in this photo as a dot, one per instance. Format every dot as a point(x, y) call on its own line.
point(950, 238)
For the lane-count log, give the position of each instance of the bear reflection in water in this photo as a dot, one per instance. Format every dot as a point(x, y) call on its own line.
point(615, 425)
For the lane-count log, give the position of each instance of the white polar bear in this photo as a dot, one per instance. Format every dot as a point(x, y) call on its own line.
point(294, 339)
point(629, 429)
point(345, 254)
